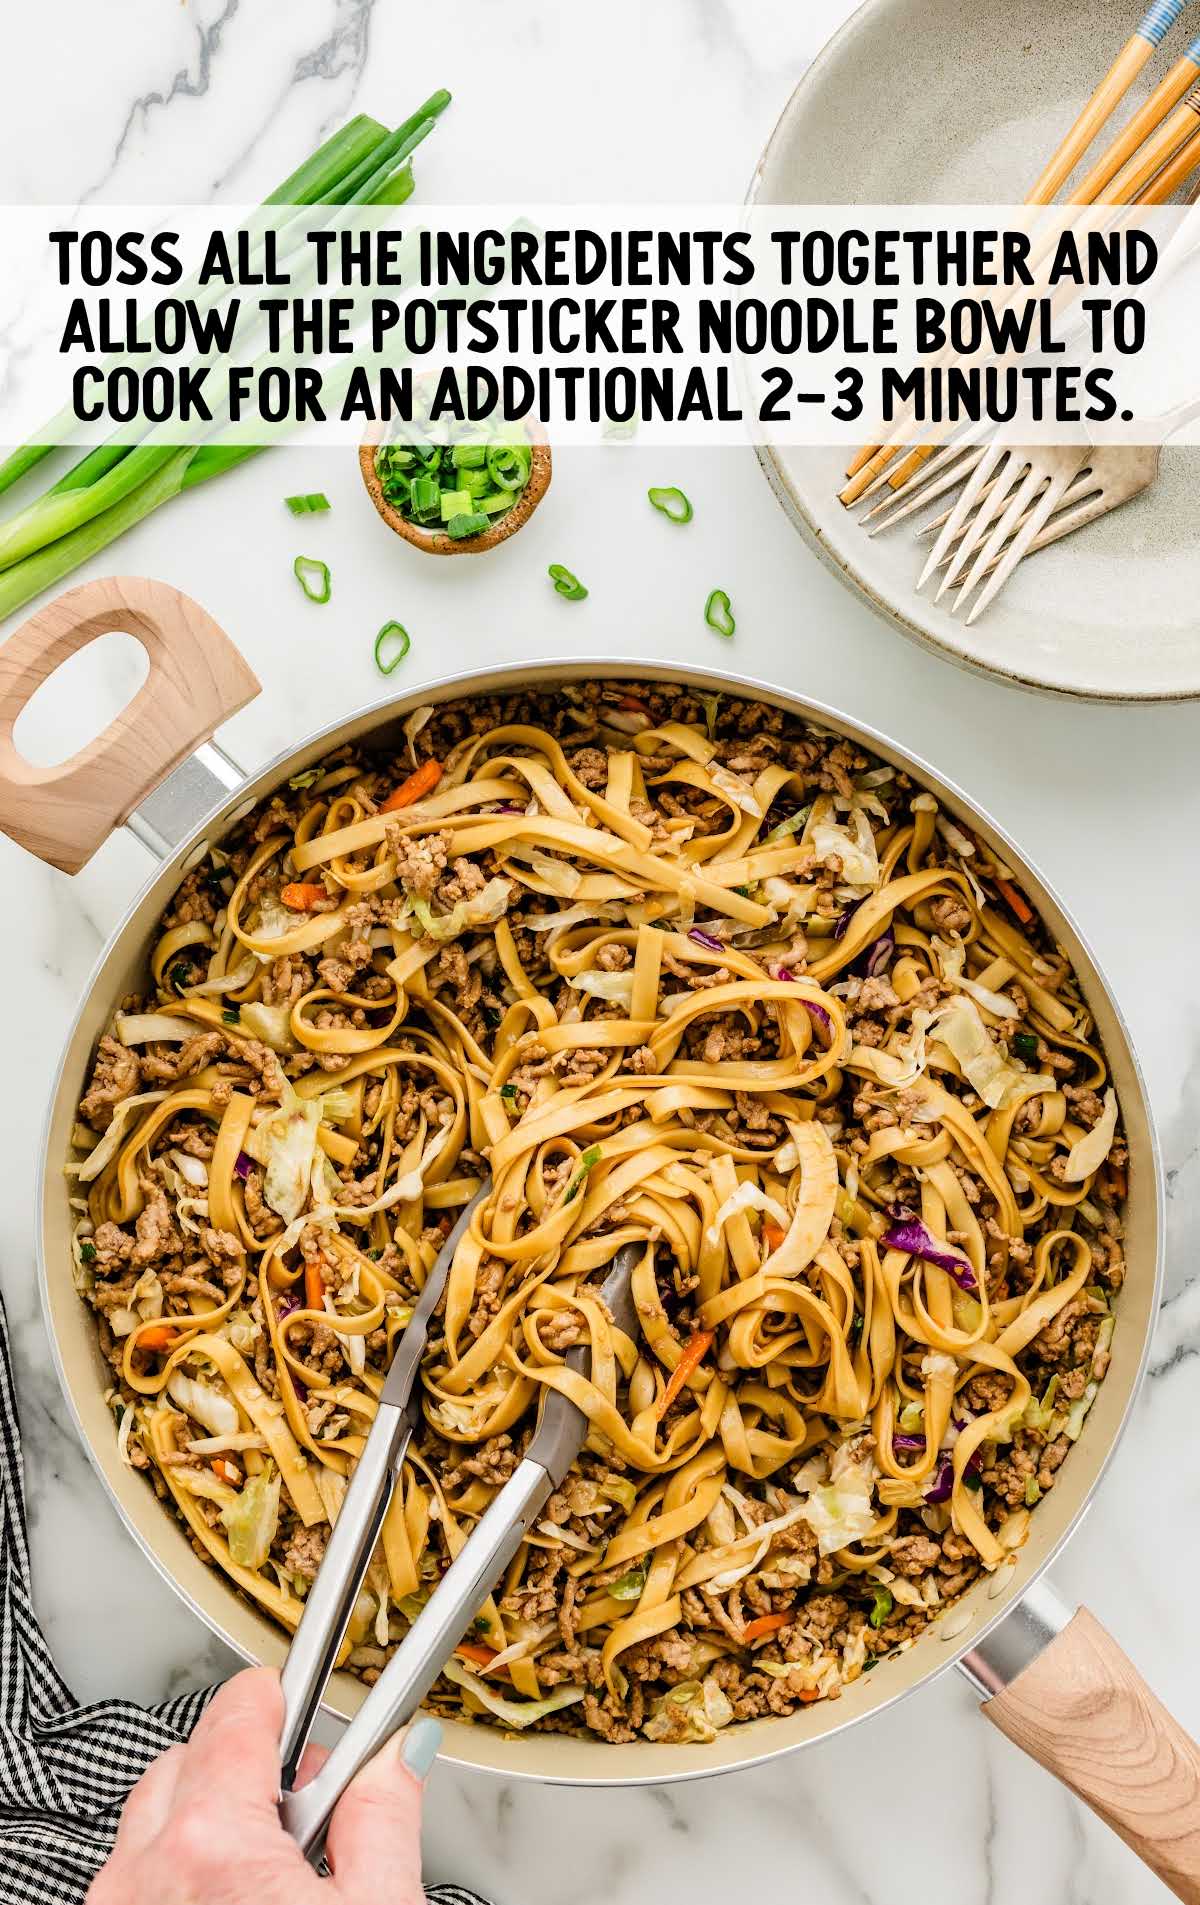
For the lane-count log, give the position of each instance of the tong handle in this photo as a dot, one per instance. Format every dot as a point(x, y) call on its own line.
point(432, 1638)
point(330, 1603)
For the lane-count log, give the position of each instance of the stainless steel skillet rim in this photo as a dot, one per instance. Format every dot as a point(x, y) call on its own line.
point(694, 1761)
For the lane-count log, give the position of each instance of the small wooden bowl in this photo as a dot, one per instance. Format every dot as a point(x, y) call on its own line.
point(435, 542)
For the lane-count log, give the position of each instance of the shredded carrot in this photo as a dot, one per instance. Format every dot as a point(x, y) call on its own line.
point(302, 896)
point(422, 782)
point(773, 1235)
point(632, 705)
point(765, 1624)
point(694, 1351)
point(226, 1472)
point(1019, 904)
point(314, 1284)
point(162, 1336)
point(807, 1695)
point(479, 1656)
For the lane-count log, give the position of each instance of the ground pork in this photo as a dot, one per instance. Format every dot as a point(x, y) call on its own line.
point(115, 1074)
point(420, 863)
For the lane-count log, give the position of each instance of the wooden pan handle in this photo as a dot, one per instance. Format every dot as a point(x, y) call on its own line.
point(197, 679)
point(1083, 1711)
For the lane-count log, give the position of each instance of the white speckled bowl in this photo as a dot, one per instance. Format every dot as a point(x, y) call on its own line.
point(953, 102)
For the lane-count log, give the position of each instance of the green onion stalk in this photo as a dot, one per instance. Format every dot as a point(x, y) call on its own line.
point(116, 484)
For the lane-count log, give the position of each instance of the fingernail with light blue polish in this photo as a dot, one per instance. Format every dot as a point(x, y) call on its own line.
point(421, 1744)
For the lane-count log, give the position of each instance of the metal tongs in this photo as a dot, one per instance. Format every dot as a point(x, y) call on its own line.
point(464, 1587)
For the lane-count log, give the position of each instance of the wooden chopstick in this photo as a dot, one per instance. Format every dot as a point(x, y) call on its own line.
point(1146, 120)
point(1137, 173)
point(1143, 43)
point(1174, 174)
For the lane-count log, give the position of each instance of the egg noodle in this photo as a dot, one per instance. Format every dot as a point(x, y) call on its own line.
point(677, 971)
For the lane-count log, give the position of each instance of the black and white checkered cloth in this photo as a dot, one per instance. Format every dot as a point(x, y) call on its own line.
point(65, 1769)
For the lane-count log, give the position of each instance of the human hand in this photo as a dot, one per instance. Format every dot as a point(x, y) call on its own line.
point(201, 1827)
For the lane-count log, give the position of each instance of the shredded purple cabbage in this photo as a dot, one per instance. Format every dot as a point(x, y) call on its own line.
point(943, 1481)
point(843, 921)
point(705, 939)
point(911, 1235)
point(880, 953)
point(242, 1166)
point(915, 1443)
point(286, 1304)
point(819, 1013)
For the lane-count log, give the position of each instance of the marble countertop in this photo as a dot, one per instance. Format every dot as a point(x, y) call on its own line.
point(675, 98)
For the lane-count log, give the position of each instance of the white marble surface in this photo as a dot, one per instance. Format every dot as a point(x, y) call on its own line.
point(636, 98)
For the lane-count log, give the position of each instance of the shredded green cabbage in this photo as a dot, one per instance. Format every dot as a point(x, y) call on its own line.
point(695, 1710)
point(960, 1028)
point(482, 909)
point(285, 1143)
point(841, 1511)
point(519, 1713)
point(250, 1521)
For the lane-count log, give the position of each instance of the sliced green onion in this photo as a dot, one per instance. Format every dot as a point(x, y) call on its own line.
point(579, 1176)
point(628, 1587)
point(1033, 1493)
point(397, 489)
point(509, 464)
point(792, 824)
point(314, 578)
point(672, 503)
point(882, 1608)
point(468, 456)
point(391, 632)
point(307, 505)
point(468, 522)
point(231, 1015)
point(1025, 1046)
point(718, 614)
point(509, 1094)
point(88, 1252)
point(455, 502)
point(565, 584)
point(424, 497)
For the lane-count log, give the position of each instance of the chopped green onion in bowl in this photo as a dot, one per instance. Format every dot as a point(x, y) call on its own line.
point(565, 584)
point(392, 634)
point(718, 613)
point(468, 522)
point(314, 577)
point(461, 488)
point(671, 503)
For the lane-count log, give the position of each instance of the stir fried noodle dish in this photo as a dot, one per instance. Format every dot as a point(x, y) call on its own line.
point(670, 969)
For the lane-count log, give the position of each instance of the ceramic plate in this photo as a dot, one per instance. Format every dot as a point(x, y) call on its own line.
point(949, 102)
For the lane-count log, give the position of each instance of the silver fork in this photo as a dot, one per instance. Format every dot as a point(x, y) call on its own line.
point(1009, 496)
point(1013, 513)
